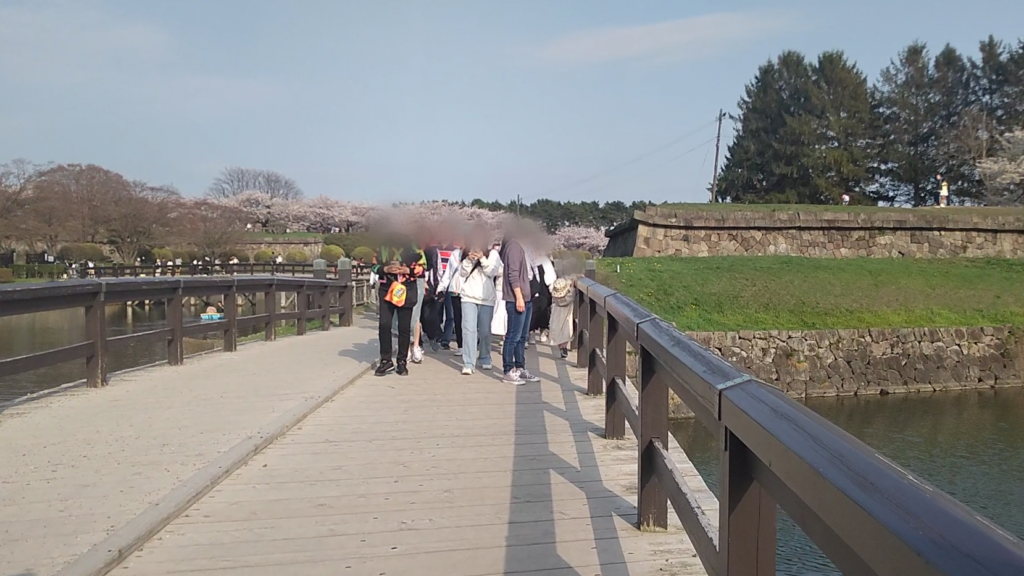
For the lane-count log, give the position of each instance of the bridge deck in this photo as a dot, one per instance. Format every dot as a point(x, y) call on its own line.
point(432, 474)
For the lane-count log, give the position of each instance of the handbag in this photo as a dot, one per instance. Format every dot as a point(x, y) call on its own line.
point(397, 293)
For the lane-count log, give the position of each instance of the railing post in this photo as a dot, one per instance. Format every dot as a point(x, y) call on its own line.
point(345, 295)
point(325, 311)
point(175, 320)
point(595, 337)
point(302, 303)
point(652, 500)
point(583, 342)
point(746, 514)
point(615, 359)
point(270, 306)
point(96, 331)
point(231, 316)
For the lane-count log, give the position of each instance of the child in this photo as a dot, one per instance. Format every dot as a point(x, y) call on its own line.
point(560, 331)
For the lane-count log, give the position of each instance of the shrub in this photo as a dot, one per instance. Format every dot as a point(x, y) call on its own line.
point(47, 271)
point(296, 257)
point(349, 242)
point(263, 256)
point(187, 256)
point(163, 254)
point(332, 253)
point(243, 257)
point(80, 252)
point(363, 253)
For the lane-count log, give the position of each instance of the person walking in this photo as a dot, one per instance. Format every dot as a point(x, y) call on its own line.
point(560, 330)
point(448, 290)
point(544, 279)
point(477, 294)
point(399, 267)
point(516, 295)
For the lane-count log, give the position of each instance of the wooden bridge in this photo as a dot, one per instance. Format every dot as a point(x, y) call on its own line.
point(288, 457)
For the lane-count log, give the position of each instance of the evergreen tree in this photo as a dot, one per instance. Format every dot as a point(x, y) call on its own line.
point(805, 135)
point(906, 167)
point(764, 161)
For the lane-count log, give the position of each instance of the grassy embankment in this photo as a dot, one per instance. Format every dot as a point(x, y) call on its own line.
point(722, 207)
point(793, 293)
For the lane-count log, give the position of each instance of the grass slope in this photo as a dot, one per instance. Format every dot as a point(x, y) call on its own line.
point(728, 207)
point(793, 293)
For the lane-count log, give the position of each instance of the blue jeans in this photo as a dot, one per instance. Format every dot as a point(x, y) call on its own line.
point(513, 351)
point(476, 334)
point(449, 320)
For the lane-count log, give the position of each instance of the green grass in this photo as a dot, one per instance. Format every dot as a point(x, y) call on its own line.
point(719, 207)
point(792, 293)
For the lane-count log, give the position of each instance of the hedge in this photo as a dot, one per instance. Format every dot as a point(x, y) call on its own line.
point(332, 253)
point(82, 252)
point(363, 253)
point(296, 257)
point(263, 256)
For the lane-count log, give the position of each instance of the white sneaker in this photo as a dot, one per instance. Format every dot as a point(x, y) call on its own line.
point(417, 354)
point(533, 338)
point(467, 371)
point(544, 338)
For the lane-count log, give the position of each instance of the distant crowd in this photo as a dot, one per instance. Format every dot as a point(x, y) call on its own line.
point(452, 287)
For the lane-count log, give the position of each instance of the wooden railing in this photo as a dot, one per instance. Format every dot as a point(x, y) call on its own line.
point(316, 299)
point(868, 515)
point(249, 268)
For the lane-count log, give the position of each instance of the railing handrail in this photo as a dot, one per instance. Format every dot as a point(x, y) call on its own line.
point(316, 298)
point(867, 514)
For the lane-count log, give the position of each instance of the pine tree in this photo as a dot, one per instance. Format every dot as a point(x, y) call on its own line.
point(906, 167)
point(764, 160)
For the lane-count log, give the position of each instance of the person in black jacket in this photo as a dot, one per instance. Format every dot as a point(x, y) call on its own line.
point(398, 265)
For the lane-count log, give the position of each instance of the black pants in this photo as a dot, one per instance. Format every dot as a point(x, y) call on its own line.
point(541, 319)
point(457, 314)
point(430, 318)
point(387, 310)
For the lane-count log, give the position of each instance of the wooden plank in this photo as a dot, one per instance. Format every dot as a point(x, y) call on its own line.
point(29, 362)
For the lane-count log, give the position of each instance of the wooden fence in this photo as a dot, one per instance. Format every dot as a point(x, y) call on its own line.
point(868, 515)
point(317, 299)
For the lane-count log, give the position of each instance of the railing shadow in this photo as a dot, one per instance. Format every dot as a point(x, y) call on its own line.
point(527, 498)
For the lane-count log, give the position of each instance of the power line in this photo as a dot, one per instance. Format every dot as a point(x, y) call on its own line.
point(617, 167)
point(652, 169)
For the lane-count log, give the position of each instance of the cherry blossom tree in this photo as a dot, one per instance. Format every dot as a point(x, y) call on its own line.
point(580, 238)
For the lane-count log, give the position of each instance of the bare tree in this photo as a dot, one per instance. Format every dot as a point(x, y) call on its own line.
point(235, 180)
point(211, 227)
point(16, 179)
point(138, 218)
point(1003, 172)
point(86, 194)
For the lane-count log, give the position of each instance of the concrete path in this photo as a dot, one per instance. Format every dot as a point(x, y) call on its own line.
point(434, 474)
point(76, 467)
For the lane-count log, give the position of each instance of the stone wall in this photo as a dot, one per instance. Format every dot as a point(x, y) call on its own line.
point(310, 246)
point(874, 361)
point(908, 233)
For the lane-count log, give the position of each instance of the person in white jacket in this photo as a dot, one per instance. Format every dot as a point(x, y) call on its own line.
point(477, 270)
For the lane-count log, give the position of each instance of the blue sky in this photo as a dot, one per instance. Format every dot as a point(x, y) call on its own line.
point(435, 99)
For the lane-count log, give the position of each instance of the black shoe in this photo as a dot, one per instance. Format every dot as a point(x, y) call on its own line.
point(565, 353)
point(446, 346)
point(402, 370)
point(383, 367)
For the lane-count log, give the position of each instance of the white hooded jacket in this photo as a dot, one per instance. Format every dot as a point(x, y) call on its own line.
point(478, 280)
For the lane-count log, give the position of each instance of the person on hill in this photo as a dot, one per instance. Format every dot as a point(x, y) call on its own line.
point(516, 295)
point(477, 269)
point(400, 267)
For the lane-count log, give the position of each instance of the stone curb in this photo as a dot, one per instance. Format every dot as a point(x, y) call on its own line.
point(118, 546)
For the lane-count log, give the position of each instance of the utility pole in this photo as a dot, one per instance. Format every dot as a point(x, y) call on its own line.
point(718, 142)
point(519, 203)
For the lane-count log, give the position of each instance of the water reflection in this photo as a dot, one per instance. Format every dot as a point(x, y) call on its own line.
point(30, 333)
point(969, 444)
